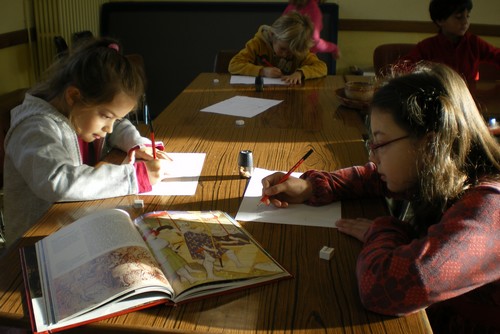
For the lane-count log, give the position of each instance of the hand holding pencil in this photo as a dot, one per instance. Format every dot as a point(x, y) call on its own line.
point(281, 189)
point(269, 70)
point(156, 167)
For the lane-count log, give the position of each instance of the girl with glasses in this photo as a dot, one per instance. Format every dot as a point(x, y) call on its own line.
point(430, 146)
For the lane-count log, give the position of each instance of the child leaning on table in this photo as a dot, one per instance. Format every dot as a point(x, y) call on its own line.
point(454, 45)
point(430, 146)
point(281, 51)
point(65, 125)
point(311, 9)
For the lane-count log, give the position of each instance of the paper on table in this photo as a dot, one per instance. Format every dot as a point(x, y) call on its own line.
point(295, 214)
point(249, 80)
point(183, 174)
point(242, 106)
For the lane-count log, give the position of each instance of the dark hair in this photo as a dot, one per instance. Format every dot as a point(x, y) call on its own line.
point(443, 9)
point(98, 69)
point(434, 103)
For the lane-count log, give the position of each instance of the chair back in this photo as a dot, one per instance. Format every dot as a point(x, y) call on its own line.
point(222, 59)
point(385, 55)
point(488, 71)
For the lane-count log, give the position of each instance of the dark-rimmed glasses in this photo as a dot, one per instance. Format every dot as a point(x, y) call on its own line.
point(371, 147)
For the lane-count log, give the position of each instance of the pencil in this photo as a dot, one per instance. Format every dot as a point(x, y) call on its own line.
point(287, 175)
point(266, 62)
point(151, 130)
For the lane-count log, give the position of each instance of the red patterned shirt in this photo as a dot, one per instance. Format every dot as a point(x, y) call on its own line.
point(463, 57)
point(455, 265)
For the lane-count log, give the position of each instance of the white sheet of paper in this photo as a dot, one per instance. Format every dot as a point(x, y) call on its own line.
point(183, 174)
point(242, 106)
point(249, 80)
point(295, 214)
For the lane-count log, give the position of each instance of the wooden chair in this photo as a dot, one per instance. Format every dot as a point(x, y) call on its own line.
point(488, 71)
point(222, 59)
point(386, 54)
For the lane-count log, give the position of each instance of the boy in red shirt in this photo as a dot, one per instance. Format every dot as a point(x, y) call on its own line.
point(454, 45)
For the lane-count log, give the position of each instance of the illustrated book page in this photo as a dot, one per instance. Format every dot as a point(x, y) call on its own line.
point(88, 269)
point(206, 252)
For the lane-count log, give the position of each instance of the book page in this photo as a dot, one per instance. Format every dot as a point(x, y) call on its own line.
point(93, 260)
point(205, 249)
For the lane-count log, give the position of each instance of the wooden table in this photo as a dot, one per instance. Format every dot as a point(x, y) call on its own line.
point(322, 297)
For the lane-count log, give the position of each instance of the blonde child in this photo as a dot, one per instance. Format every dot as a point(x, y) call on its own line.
point(281, 51)
point(64, 127)
point(431, 147)
point(311, 9)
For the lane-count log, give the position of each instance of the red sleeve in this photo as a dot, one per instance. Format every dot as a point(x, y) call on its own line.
point(488, 52)
point(399, 274)
point(142, 177)
point(352, 182)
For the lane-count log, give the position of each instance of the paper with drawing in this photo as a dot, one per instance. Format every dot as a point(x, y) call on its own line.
point(249, 80)
point(295, 214)
point(183, 175)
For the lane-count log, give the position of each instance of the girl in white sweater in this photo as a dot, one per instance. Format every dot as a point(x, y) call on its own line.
point(64, 127)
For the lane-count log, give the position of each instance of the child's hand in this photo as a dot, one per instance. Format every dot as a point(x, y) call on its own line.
point(354, 227)
point(146, 153)
point(336, 55)
point(293, 190)
point(271, 72)
point(156, 170)
point(293, 79)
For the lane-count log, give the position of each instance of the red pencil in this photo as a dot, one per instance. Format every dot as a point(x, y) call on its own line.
point(266, 62)
point(151, 131)
point(287, 175)
point(153, 142)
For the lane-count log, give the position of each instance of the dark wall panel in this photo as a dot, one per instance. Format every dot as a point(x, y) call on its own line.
point(179, 40)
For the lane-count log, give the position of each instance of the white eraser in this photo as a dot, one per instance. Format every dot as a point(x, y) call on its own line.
point(240, 122)
point(326, 253)
point(138, 203)
point(216, 81)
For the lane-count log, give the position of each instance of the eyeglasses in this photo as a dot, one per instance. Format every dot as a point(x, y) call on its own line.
point(371, 147)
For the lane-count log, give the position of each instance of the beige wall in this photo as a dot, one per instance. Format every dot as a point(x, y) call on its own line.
point(16, 69)
point(484, 11)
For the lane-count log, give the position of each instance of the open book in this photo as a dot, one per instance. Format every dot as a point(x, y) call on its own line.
point(105, 264)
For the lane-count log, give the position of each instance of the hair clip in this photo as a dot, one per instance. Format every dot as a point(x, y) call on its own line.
point(114, 46)
point(431, 104)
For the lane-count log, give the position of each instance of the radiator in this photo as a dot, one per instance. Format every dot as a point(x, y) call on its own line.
point(62, 18)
